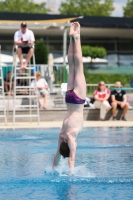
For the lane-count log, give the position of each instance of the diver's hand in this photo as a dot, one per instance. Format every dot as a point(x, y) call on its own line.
point(71, 171)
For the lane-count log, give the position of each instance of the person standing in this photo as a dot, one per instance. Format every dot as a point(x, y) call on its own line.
point(119, 100)
point(24, 39)
point(101, 96)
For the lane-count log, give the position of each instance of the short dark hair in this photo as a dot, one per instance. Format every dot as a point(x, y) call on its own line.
point(64, 149)
point(23, 24)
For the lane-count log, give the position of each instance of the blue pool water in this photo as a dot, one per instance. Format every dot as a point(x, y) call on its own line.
point(103, 168)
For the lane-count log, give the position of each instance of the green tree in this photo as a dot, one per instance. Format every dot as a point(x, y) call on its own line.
point(94, 52)
point(128, 9)
point(41, 52)
point(22, 6)
point(87, 7)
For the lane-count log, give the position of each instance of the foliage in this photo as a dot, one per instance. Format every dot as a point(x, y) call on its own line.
point(94, 78)
point(60, 75)
point(108, 78)
point(22, 6)
point(41, 52)
point(87, 7)
point(94, 52)
point(128, 9)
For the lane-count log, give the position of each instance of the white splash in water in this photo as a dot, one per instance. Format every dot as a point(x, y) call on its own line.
point(63, 170)
point(83, 171)
point(48, 169)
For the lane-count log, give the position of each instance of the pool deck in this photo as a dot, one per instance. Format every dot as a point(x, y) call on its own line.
point(58, 124)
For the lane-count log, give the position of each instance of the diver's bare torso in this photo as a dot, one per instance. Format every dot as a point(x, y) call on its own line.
point(73, 122)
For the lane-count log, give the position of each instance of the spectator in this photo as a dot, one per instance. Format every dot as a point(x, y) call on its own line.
point(101, 96)
point(21, 82)
point(42, 89)
point(25, 39)
point(119, 100)
point(8, 84)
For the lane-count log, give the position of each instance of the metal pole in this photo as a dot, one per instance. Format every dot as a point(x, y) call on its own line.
point(64, 50)
point(38, 113)
point(2, 89)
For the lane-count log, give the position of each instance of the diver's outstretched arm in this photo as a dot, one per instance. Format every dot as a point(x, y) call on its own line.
point(57, 155)
point(56, 159)
point(72, 146)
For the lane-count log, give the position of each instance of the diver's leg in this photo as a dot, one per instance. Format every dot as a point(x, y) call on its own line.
point(79, 81)
point(70, 84)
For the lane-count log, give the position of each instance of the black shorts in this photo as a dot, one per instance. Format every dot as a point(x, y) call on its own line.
point(25, 50)
point(119, 107)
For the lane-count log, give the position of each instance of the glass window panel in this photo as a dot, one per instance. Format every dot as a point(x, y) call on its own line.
point(124, 46)
point(112, 58)
point(125, 57)
point(125, 60)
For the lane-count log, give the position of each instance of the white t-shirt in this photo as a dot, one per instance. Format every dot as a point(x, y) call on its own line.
point(40, 83)
point(27, 36)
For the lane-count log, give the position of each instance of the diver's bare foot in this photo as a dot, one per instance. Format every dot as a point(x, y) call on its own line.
point(75, 30)
point(71, 33)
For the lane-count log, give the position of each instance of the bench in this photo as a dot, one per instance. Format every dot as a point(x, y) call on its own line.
point(93, 114)
point(57, 114)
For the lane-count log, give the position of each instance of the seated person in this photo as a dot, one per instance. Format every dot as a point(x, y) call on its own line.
point(8, 84)
point(22, 82)
point(101, 96)
point(25, 39)
point(42, 89)
point(119, 100)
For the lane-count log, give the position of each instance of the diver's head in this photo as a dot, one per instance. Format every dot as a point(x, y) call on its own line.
point(64, 149)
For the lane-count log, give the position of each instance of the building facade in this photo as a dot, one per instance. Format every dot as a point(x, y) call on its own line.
point(113, 33)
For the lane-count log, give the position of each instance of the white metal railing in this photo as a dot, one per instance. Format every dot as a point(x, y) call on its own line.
point(90, 87)
point(30, 95)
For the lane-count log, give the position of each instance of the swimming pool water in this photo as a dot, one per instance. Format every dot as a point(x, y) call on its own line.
point(103, 167)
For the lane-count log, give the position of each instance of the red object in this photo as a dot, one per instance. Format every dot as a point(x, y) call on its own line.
point(21, 39)
point(101, 94)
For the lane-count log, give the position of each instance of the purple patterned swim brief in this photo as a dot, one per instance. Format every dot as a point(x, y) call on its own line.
point(71, 97)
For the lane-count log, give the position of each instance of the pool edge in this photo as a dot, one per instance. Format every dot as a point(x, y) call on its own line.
point(58, 124)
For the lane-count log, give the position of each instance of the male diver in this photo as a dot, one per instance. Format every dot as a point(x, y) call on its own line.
point(75, 99)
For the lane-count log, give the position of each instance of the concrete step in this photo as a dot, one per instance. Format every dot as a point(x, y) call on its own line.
point(58, 114)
